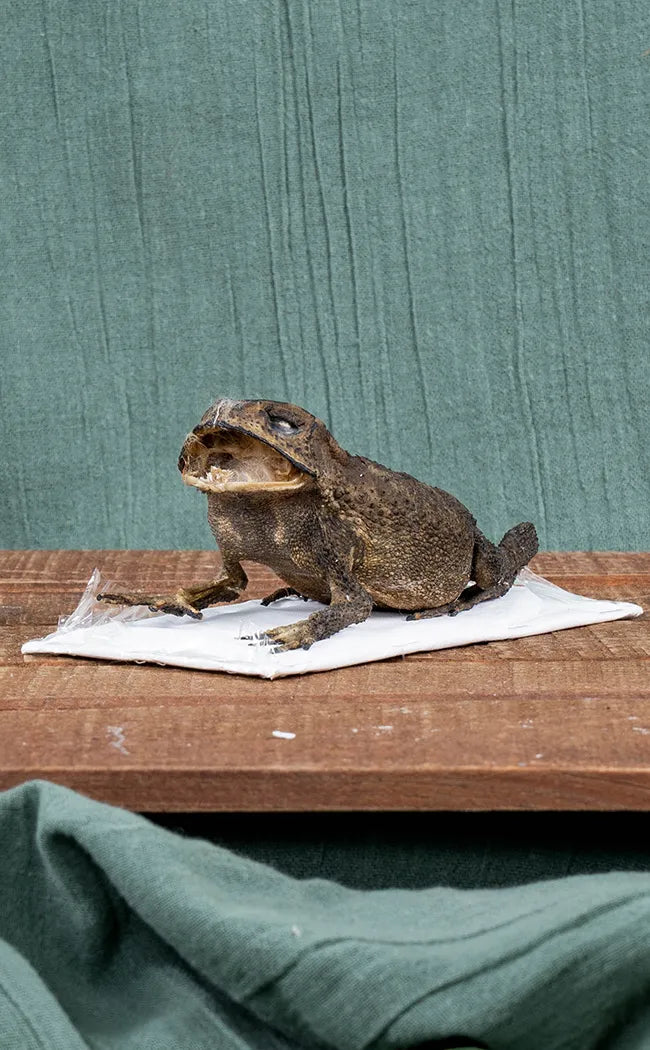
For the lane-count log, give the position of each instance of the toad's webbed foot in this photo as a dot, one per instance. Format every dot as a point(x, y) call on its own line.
point(299, 635)
point(344, 610)
point(303, 634)
point(282, 592)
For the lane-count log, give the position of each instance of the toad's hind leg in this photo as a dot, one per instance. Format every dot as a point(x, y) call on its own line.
point(493, 570)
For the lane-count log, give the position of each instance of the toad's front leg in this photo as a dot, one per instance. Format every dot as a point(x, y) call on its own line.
point(348, 605)
point(188, 601)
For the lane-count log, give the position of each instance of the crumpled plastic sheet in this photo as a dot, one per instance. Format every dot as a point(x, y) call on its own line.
point(218, 642)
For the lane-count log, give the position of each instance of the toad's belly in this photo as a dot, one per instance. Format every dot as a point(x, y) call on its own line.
point(308, 583)
point(261, 530)
point(415, 594)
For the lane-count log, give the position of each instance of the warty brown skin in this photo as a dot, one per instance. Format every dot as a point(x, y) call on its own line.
point(337, 528)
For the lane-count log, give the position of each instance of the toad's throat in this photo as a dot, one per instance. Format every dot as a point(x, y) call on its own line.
point(227, 461)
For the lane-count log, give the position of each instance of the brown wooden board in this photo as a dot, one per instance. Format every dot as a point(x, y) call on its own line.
point(556, 721)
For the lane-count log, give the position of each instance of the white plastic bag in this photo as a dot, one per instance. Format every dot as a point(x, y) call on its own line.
point(218, 642)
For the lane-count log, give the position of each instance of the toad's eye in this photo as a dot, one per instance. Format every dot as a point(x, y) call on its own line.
point(282, 426)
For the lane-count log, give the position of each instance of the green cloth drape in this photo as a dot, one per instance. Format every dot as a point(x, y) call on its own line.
point(115, 933)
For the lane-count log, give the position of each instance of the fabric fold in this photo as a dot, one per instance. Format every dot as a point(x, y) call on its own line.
point(129, 936)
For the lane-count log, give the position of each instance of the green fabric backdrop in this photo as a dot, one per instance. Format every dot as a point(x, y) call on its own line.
point(426, 222)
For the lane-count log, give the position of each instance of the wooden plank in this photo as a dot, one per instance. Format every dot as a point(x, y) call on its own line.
point(446, 733)
point(73, 567)
point(272, 791)
point(54, 686)
point(163, 758)
point(554, 721)
point(591, 563)
point(36, 587)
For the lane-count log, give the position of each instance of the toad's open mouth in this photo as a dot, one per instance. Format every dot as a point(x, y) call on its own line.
point(227, 461)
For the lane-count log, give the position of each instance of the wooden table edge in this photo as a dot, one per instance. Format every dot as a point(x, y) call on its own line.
point(301, 791)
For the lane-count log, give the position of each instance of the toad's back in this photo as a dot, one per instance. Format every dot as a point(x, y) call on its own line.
point(417, 541)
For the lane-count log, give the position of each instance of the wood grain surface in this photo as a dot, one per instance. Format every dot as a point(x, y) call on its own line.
point(556, 721)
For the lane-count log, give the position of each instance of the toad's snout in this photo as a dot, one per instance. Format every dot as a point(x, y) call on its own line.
point(215, 459)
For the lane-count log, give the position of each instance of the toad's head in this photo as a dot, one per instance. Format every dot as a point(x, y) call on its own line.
point(252, 446)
